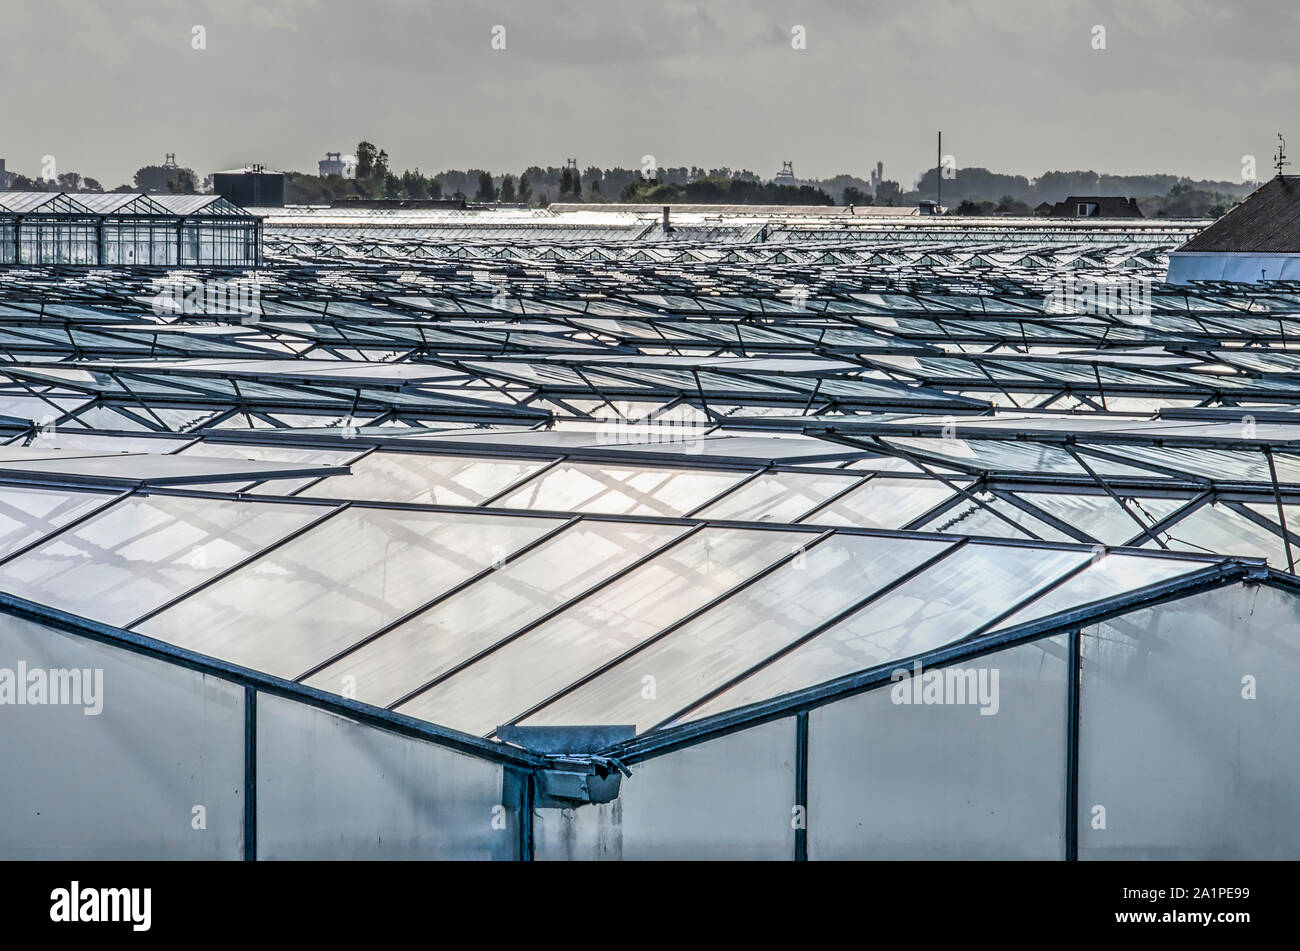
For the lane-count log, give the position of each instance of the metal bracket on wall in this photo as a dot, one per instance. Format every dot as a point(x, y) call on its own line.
point(574, 775)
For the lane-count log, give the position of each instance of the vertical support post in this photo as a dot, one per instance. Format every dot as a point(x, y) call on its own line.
point(527, 793)
point(250, 774)
point(801, 785)
point(938, 169)
point(1075, 654)
point(1281, 511)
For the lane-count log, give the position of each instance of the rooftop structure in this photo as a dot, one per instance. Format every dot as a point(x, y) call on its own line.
point(1096, 206)
point(639, 546)
point(1257, 240)
point(252, 186)
point(114, 228)
point(332, 164)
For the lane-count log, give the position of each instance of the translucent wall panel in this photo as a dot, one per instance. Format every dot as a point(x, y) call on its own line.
point(425, 478)
point(948, 601)
point(1187, 730)
point(621, 490)
point(975, 770)
point(597, 629)
point(28, 514)
point(730, 798)
point(146, 550)
point(473, 619)
point(749, 626)
point(297, 606)
point(163, 754)
point(331, 788)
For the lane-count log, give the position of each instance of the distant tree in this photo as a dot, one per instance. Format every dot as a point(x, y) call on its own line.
point(414, 184)
point(889, 193)
point(508, 188)
point(1007, 205)
point(486, 191)
point(91, 185)
point(525, 188)
point(543, 200)
point(381, 165)
point(854, 196)
point(154, 179)
point(183, 183)
point(70, 181)
point(365, 159)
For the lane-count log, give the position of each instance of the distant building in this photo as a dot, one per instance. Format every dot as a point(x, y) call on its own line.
point(1096, 206)
point(250, 187)
point(400, 203)
point(332, 164)
point(786, 175)
point(1258, 240)
point(126, 229)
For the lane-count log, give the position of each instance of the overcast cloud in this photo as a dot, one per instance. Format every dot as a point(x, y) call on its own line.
point(1184, 86)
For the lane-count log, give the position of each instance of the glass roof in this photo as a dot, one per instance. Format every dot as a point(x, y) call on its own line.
point(526, 468)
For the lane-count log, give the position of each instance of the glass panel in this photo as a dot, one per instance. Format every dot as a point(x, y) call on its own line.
point(424, 478)
point(331, 788)
point(968, 518)
point(599, 628)
point(621, 490)
point(1217, 529)
point(976, 771)
point(777, 497)
point(144, 551)
point(739, 632)
point(116, 768)
point(1188, 714)
point(300, 604)
point(730, 798)
point(28, 514)
point(1110, 575)
point(884, 503)
point(947, 602)
point(453, 631)
point(1100, 517)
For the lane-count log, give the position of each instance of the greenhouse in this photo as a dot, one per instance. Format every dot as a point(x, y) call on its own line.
point(889, 545)
point(127, 230)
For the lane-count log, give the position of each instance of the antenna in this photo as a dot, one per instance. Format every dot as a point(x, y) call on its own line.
point(1279, 160)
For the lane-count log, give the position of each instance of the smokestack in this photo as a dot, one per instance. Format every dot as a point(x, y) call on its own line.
point(667, 227)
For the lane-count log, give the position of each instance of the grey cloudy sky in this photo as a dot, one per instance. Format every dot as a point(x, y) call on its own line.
point(1184, 86)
